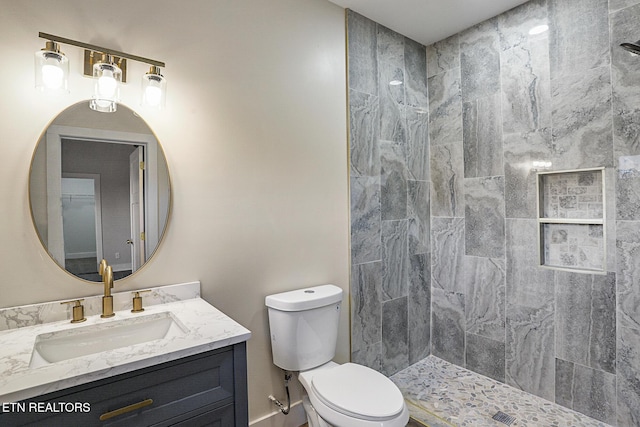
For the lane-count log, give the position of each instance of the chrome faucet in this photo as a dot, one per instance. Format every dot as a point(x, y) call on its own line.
point(106, 272)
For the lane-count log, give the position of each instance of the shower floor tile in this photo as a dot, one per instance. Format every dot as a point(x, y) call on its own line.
point(440, 394)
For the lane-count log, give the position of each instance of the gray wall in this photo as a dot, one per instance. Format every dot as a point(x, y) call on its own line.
point(390, 249)
point(500, 99)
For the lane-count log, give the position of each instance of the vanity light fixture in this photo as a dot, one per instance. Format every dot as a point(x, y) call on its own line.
point(52, 69)
point(107, 66)
point(106, 92)
point(632, 47)
point(154, 88)
point(538, 29)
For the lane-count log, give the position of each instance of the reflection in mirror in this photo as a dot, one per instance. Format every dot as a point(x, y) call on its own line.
point(99, 188)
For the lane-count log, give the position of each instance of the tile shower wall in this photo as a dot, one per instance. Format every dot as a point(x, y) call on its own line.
point(498, 99)
point(390, 225)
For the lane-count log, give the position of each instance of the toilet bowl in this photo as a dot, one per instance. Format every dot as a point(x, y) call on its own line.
point(351, 395)
point(304, 326)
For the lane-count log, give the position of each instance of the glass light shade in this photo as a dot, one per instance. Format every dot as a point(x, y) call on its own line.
point(154, 89)
point(52, 70)
point(106, 90)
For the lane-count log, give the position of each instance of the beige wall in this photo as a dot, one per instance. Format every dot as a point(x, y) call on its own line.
point(255, 136)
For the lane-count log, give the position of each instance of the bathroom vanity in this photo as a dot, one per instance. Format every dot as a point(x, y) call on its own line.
point(58, 373)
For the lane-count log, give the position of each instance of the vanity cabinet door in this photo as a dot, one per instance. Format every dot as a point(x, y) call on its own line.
point(208, 389)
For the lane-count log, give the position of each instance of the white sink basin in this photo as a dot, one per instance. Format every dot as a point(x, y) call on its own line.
point(67, 344)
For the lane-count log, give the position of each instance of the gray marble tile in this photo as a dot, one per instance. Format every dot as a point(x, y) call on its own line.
point(366, 309)
point(448, 336)
point(621, 4)
point(447, 254)
point(589, 391)
point(514, 25)
point(564, 383)
point(526, 87)
point(364, 119)
point(395, 346)
point(370, 356)
point(530, 361)
point(586, 319)
point(415, 66)
point(447, 180)
point(419, 307)
point(365, 219)
point(582, 121)
point(480, 61)
point(392, 96)
point(575, 246)
point(579, 36)
point(362, 51)
point(484, 217)
point(626, 185)
point(393, 182)
point(628, 408)
point(395, 260)
point(528, 284)
point(625, 82)
point(627, 273)
point(419, 216)
point(418, 144)
point(482, 137)
point(520, 151)
point(485, 356)
point(485, 288)
point(443, 55)
point(390, 48)
point(445, 107)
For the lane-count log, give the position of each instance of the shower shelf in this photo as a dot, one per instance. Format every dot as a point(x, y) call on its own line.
point(571, 218)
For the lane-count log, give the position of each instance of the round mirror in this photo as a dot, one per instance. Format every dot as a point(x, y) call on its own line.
point(99, 188)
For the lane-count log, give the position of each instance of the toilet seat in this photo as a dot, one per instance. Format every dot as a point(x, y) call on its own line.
point(356, 392)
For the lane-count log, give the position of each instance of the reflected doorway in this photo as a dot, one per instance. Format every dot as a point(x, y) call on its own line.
point(82, 223)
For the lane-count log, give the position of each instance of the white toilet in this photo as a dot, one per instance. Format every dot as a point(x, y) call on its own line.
point(304, 330)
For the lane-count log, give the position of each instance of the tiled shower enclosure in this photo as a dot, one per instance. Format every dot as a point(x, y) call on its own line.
point(444, 232)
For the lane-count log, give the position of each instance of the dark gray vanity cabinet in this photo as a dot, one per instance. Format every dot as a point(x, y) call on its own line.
point(207, 389)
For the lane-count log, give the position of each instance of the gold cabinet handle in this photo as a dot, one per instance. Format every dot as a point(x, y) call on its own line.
point(111, 414)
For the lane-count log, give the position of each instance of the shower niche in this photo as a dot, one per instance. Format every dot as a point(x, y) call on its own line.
point(571, 217)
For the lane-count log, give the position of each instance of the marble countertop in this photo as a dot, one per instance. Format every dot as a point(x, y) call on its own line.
point(207, 328)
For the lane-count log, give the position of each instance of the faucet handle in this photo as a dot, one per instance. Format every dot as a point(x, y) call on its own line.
point(137, 301)
point(77, 309)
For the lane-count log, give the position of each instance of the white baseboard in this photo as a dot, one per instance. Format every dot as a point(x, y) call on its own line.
point(296, 418)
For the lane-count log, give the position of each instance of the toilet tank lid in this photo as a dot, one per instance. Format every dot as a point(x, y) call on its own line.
point(305, 299)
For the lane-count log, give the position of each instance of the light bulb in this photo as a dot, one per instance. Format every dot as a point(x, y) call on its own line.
point(107, 84)
point(52, 76)
point(153, 95)
point(154, 87)
point(52, 69)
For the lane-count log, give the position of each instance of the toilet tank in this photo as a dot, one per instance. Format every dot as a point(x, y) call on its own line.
point(304, 326)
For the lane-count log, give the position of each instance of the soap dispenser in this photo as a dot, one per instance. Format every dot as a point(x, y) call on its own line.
point(137, 301)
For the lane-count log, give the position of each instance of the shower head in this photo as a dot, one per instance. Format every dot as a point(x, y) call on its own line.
point(632, 47)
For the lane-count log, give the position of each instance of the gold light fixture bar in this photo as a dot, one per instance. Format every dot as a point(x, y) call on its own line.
point(93, 53)
point(101, 49)
point(93, 56)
